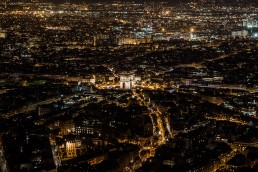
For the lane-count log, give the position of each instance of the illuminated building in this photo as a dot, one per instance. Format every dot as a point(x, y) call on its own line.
point(127, 80)
point(24, 84)
point(130, 41)
point(250, 23)
point(94, 41)
point(241, 33)
point(87, 126)
point(66, 127)
point(97, 160)
point(70, 149)
point(2, 34)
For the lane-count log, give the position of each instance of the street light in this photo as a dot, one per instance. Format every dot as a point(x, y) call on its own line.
point(191, 30)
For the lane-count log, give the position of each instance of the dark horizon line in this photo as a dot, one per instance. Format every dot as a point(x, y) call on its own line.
point(142, 1)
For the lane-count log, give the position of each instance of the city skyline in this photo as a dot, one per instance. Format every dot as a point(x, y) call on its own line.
point(129, 86)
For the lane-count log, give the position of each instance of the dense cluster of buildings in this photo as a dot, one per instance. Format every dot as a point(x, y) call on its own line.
point(128, 86)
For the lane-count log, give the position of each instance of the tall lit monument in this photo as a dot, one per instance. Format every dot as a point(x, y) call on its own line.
point(126, 81)
point(94, 41)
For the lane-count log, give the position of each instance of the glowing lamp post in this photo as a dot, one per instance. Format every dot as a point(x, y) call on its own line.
point(192, 33)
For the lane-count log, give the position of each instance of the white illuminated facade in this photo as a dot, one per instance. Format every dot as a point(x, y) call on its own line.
point(250, 23)
point(127, 80)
